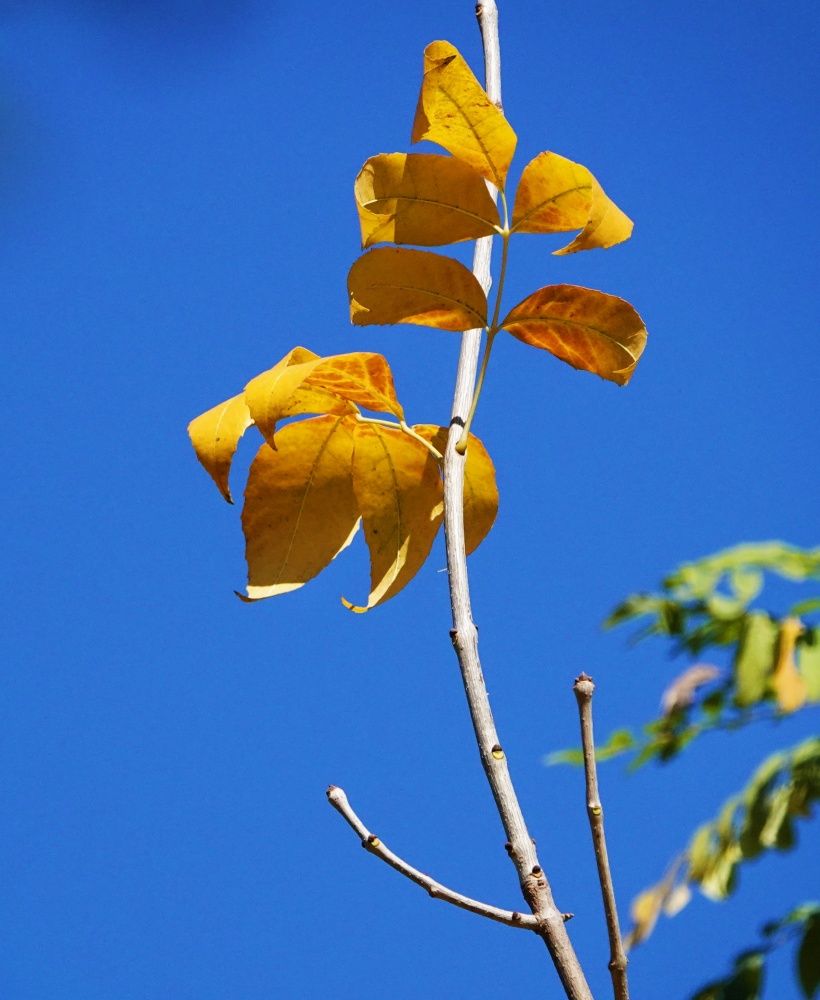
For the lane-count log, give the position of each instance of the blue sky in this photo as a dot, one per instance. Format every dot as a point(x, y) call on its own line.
point(177, 213)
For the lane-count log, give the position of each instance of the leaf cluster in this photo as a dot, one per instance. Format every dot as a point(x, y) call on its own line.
point(758, 819)
point(746, 979)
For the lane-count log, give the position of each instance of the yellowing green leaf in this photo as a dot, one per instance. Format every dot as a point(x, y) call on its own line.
point(426, 199)
point(392, 285)
point(556, 195)
point(809, 666)
point(755, 658)
point(399, 494)
point(280, 393)
point(789, 687)
point(480, 489)
point(588, 329)
point(300, 509)
point(216, 434)
point(455, 111)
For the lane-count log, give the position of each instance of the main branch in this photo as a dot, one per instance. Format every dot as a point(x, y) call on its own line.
point(520, 846)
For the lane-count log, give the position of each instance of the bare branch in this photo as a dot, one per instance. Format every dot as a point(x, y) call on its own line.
point(371, 843)
point(584, 689)
point(464, 635)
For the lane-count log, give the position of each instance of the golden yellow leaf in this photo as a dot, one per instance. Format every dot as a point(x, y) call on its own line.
point(216, 434)
point(282, 392)
point(393, 285)
point(480, 489)
point(426, 199)
point(588, 329)
point(556, 195)
point(645, 910)
point(399, 495)
point(787, 683)
point(455, 111)
point(300, 509)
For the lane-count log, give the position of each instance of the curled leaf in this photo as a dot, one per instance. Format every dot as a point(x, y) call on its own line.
point(399, 495)
point(215, 436)
point(681, 692)
point(455, 111)
point(426, 199)
point(789, 687)
point(393, 285)
point(588, 329)
point(480, 489)
point(557, 195)
point(300, 509)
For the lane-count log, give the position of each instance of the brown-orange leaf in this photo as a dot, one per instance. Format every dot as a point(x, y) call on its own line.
point(455, 111)
point(426, 199)
point(556, 195)
point(394, 285)
point(300, 509)
point(588, 329)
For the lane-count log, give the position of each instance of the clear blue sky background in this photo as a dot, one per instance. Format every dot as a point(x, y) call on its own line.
point(175, 213)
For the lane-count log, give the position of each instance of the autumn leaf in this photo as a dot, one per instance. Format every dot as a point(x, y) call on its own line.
point(789, 687)
point(393, 285)
point(588, 329)
point(300, 509)
point(455, 111)
point(480, 490)
point(215, 436)
point(399, 495)
point(426, 199)
point(556, 195)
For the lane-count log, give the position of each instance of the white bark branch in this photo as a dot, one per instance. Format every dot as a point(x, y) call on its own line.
point(521, 848)
point(371, 843)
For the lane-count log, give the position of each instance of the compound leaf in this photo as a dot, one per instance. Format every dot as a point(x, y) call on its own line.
point(455, 111)
point(300, 509)
point(399, 495)
point(556, 195)
point(393, 285)
point(215, 436)
point(590, 330)
point(426, 199)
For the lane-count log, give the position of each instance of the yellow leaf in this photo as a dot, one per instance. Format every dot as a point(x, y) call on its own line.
point(426, 199)
point(300, 509)
point(455, 111)
point(789, 687)
point(216, 434)
point(399, 494)
point(282, 392)
point(556, 195)
point(588, 329)
point(645, 910)
point(392, 285)
point(480, 490)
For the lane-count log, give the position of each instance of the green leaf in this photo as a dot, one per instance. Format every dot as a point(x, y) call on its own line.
point(755, 658)
point(808, 663)
point(808, 958)
point(746, 981)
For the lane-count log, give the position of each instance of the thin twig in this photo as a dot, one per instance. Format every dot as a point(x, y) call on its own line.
point(371, 843)
point(521, 848)
point(584, 689)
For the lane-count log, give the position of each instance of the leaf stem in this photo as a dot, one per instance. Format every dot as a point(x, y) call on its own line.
point(492, 330)
point(403, 426)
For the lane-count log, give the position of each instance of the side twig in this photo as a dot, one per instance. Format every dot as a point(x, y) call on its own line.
point(464, 635)
point(371, 843)
point(584, 689)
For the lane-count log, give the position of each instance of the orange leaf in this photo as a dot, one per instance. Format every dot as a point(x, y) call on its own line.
point(399, 494)
point(300, 509)
point(215, 436)
point(480, 489)
point(392, 285)
point(361, 378)
point(455, 111)
point(426, 199)
point(588, 329)
point(556, 195)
